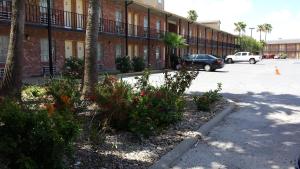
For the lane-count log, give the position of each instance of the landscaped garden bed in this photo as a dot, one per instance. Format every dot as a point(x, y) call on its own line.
point(123, 150)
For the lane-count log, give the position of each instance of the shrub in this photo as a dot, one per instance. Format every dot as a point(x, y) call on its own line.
point(138, 64)
point(73, 68)
point(180, 81)
point(114, 100)
point(35, 139)
point(205, 101)
point(33, 92)
point(65, 92)
point(123, 64)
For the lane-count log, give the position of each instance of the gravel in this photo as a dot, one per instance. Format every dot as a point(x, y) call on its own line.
point(123, 150)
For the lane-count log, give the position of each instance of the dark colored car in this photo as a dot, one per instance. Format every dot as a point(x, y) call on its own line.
point(203, 61)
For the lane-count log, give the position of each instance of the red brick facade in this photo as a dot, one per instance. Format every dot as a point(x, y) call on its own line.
point(290, 48)
point(68, 34)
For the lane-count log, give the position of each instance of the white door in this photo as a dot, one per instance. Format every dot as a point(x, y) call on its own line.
point(130, 51)
point(80, 50)
point(67, 13)
point(136, 51)
point(130, 26)
point(79, 14)
point(136, 22)
point(237, 56)
point(68, 49)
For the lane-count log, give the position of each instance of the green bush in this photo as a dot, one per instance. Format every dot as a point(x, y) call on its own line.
point(114, 99)
point(65, 92)
point(35, 139)
point(33, 92)
point(73, 68)
point(123, 64)
point(205, 101)
point(138, 64)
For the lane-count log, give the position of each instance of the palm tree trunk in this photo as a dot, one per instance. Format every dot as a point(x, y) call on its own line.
point(260, 35)
point(90, 64)
point(12, 81)
point(266, 37)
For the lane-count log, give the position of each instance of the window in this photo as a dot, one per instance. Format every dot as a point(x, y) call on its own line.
point(118, 18)
point(118, 51)
point(3, 48)
point(44, 6)
point(145, 23)
point(244, 54)
point(44, 50)
point(159, 1)
point(157, 26)
point(145, 53)
point(298, 47)
point(238, 54)
point(100, 52)
point(157, 53)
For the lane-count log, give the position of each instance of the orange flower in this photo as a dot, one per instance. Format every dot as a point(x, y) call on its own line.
point(50, 108)
point(65, 99)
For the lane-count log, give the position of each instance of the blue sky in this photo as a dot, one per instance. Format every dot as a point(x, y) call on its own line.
point(284, 15)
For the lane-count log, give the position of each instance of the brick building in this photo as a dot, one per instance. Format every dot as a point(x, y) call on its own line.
point(126, 28)
point(289, 47)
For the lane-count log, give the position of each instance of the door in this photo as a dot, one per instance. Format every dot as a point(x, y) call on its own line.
point(130, 26)
point(136, 22)
point(136, 51)
point(79, 14)
point(68, 49)
point(243, 57)
point(67, 13)
point(80, 50)
point(130, 51)
point(237, 57)
point(200, 61)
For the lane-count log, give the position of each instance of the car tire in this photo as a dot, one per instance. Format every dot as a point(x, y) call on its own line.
point(252, 61)
point(207, 68)
point(230, 61)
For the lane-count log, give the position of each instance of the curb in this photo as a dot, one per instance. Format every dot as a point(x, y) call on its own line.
point(124, 75)
point(169, 160)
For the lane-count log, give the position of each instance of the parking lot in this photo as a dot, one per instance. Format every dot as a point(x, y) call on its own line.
point(264, 131)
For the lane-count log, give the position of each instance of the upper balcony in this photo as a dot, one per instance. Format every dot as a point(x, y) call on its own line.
point(38, 16)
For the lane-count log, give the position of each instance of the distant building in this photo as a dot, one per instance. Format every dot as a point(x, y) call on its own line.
point(215, 24)
point(160, 4)
point(290, 47)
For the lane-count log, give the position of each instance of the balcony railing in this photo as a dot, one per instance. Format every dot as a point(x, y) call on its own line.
point(38, 15)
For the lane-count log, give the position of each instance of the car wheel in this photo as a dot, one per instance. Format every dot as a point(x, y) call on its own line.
point(230, 61)
point(207, 68)
point(252, 61)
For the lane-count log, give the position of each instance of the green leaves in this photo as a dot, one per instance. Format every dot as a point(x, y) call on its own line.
point(174, 41)
point(250, 44)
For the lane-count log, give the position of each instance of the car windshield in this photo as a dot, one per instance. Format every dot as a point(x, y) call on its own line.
point(213, 57)
point(189, 57)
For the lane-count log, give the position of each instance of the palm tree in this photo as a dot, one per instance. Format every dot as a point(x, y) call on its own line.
point(260, 28)
point(192, 15)
point(268, 29)
point(173, 41)
point(12, 81)
point(240, 27)
point(90, 67)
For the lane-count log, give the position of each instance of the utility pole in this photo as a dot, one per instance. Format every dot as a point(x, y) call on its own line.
point(251, 31)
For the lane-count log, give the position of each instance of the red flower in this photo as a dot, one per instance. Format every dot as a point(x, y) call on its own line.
point(143, 93)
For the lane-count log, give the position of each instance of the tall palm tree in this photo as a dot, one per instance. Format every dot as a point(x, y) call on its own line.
point(90, 67)
point(260, 28)
point(268, 29)
point(173, 41)
point(12, 81)
point(240, 27)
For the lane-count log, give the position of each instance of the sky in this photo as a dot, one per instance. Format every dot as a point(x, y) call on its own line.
point(283, 15)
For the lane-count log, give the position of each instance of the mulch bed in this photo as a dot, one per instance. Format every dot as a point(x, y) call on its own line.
point(123, 150)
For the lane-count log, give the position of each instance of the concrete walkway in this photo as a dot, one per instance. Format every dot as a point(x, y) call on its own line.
point(264, 132)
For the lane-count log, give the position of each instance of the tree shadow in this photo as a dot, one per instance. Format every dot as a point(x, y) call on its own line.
point(263, 132)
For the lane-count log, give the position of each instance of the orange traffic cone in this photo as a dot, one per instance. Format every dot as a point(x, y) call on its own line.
point(277, 72)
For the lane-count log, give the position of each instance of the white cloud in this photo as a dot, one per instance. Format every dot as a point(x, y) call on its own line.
point(285, 24)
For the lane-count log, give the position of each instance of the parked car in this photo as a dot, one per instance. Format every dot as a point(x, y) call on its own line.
point(243, 57)
point(203, 61)
point(268, 56)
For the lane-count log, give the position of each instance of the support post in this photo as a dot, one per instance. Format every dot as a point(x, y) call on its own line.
point(212, 42)
point(126, 28)
point(149, 47)
point(179, 51)
point(218, 43)
point(205, 40)
point(50, 38)
point(198, 39)
point(188, 39)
